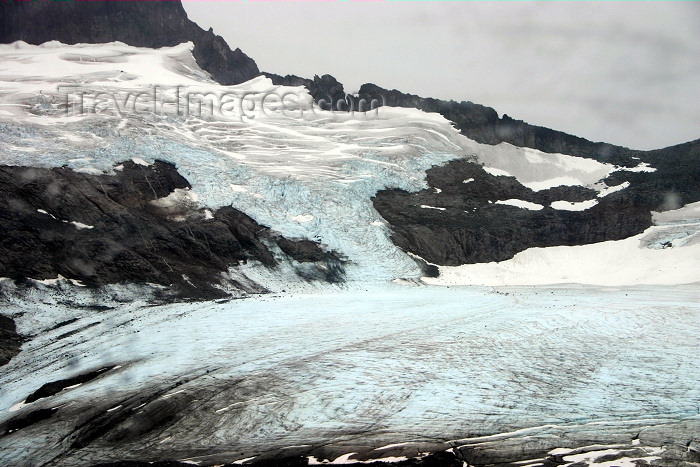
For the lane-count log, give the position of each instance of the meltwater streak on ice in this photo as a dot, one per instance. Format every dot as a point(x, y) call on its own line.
point(307, 175)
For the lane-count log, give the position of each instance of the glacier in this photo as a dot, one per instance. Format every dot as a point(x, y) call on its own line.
point(304, 172)
point(390, 364)
point(325, 369)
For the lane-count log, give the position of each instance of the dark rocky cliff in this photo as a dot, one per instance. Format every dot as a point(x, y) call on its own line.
point(104, 229)
point(10, 341)
point(326, 90)
point(143, 24)
point(470, 227)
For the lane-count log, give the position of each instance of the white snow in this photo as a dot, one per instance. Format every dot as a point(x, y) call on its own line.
point(139, 161)
point(348, 459)
point(496, 172)
point(574, 206)
point(425, 206)
point(243, 461)
point(613, 189)
point(539, 170)
point(469, 180)
point(302, 218)
point(88, 170)
point(42, 211)
point(18, 406)
point(591, 457)
point(633, 261)
point(394, 445)
point(642, 167)
point(80, 225)
point(690, 213)
point(238, 188)
point(180, 197)
point(59, 279)
point(519, 203)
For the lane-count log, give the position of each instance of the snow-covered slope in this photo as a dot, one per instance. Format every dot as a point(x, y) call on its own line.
point(266, 150)
point(667, 253)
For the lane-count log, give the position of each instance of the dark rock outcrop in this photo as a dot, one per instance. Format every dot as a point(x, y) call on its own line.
point(326, 90)
point(54, 387)
point(469, 227)
point(10, 340)
point(104, 229)
point(23, 421)
point(142, 24)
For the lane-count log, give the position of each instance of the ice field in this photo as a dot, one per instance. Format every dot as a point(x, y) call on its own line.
point(372, 368)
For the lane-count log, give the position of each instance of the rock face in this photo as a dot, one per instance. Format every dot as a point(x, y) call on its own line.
point(140, 225)
point(326, 90)
point(462, 224)
point(10, 341)
point(454, 223)
point(141, 24)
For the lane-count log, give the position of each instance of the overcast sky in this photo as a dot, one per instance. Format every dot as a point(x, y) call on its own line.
point(626, 73)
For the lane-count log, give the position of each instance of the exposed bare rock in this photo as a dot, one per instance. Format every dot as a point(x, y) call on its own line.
point(139, 225)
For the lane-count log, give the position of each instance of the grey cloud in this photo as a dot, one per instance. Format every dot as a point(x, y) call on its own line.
point(599, 70)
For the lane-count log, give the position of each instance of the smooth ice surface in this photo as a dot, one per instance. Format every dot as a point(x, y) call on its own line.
point(393, 364)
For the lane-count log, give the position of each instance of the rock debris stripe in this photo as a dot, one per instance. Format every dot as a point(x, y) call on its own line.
point(10, 340)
